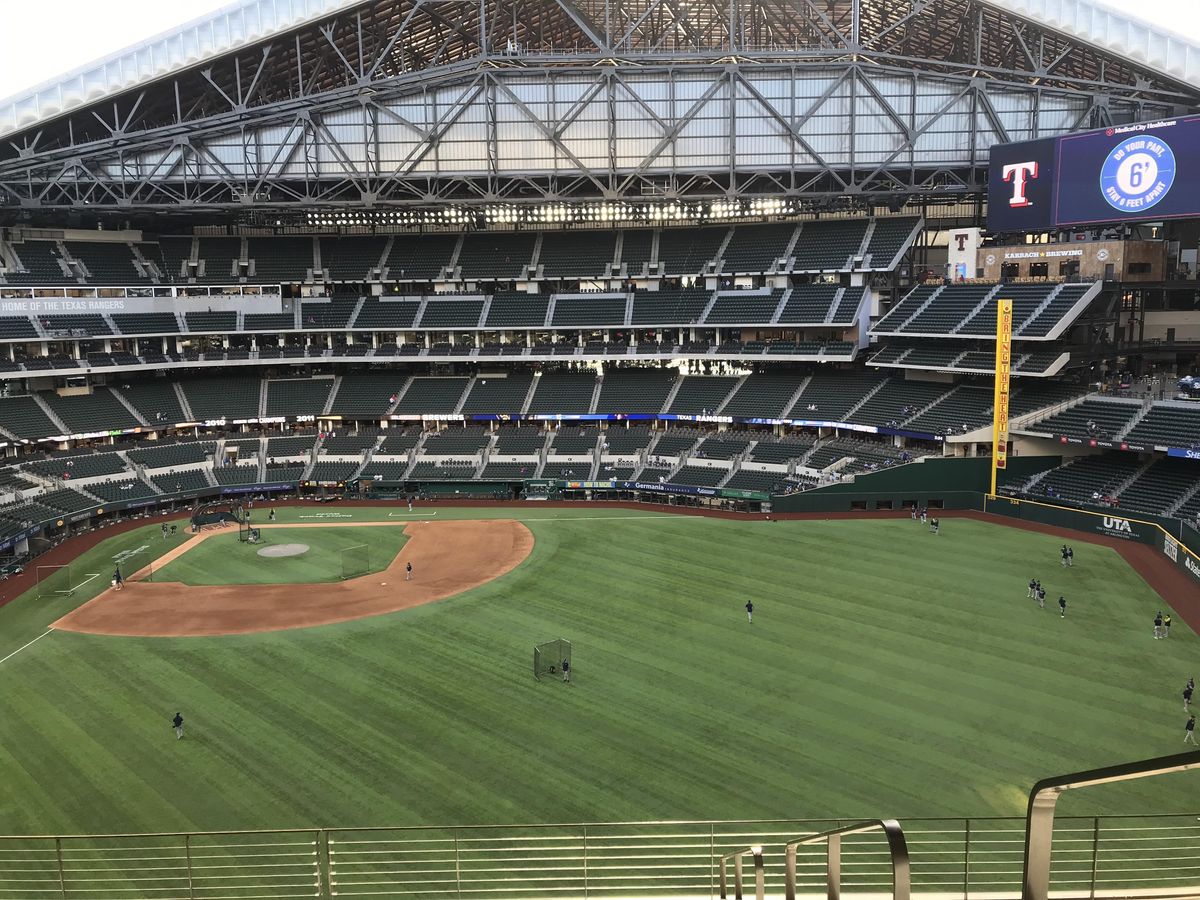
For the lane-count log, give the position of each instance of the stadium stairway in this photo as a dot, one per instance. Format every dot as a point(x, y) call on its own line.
point(899, 326)
point(133, 410)
point(857, 406)
point(791, 404)
point(737, 387)
point(1068, 316)
point(1029, 484)
point(399, 396)
point(1185, 501)
point(1131, 478)
point(979, 307)
point(337, 383)
point(1147, 405)
point(595, 402)
point(533, 383)
point(354, 312)
point(50, 414)
point(671, 394)
point(183, 401)
point(834, 304)
point(462, 398)
point(932, 405)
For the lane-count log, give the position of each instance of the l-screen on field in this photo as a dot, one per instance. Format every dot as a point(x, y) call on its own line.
point(886, 671)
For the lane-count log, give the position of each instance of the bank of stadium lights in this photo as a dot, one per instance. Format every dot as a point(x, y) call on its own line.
point(505, 215)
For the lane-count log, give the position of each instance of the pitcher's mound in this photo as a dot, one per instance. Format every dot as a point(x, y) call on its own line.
point(284, 550)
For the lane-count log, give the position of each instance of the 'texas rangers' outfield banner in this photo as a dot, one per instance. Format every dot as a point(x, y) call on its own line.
point(1144, 171)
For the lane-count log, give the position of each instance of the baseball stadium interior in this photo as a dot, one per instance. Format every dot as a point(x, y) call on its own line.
point(739, 256)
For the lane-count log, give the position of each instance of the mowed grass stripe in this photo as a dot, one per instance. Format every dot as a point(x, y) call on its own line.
point(887, 672)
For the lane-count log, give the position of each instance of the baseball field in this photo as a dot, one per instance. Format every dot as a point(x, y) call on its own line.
point(887, 671)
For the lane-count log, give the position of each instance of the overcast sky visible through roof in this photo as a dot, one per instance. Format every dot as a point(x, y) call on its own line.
point(42, 40)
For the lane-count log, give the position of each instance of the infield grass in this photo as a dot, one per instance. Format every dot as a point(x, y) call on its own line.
point(223, 559)
point(887, 672)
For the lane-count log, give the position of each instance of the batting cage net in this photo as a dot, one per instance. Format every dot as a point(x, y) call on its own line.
point(218, 515)
point(356, 561)
point(548, 657)
point(55, 581)
point(247, 533)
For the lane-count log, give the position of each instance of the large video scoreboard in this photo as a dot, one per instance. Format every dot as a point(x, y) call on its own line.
point(1146, 171)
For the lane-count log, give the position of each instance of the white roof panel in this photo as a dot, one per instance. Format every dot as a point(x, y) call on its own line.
point(1151, 46)
point(225, 29)
point(249, 21)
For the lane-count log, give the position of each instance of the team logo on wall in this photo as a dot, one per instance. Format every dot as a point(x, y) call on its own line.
point(1137, 174)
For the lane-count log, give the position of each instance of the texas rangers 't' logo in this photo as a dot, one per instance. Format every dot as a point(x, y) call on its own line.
point(1137, 174)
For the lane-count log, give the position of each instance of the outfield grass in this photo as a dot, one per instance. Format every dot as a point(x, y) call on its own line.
point(223, 559)
point(887, 672)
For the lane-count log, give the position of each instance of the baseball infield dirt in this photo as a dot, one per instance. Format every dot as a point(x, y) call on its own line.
point(448, 558)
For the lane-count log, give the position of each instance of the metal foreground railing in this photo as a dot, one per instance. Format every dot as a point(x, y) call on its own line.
point(1039, 817)
point(985, 859)
point(1152, 856)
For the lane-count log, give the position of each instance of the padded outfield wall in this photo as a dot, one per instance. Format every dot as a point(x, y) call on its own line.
point(961, 484)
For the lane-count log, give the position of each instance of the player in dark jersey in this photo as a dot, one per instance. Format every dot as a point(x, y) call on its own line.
point(1189, 730)
point(1070, 557)
point(1064, 555)
point(1062, 607)
point(1032, 595)
point(1041, 594)
point(1158, 626)
point(1187, 698)
point(750, 611)
point(177, 724)
point(566, 669)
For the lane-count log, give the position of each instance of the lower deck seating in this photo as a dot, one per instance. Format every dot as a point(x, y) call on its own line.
point(79, 465)
point(508, 470)
point(1081, 478)
point(573, 471)
point(746, 480)
point(121, 491)
point(67, 500)
point(161, 454)
point(239, 474)
point(1161, 487)
point(699, 476)
point(1103, 419)
point(176, 482)
point(332, 472)
point(962, 410)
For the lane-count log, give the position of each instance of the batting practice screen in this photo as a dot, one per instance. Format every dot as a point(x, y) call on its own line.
point(548, 657)
point(54, 581)
point(355, 561)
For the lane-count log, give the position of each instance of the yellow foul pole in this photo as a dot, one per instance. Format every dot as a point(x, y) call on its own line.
point(1000, 397)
